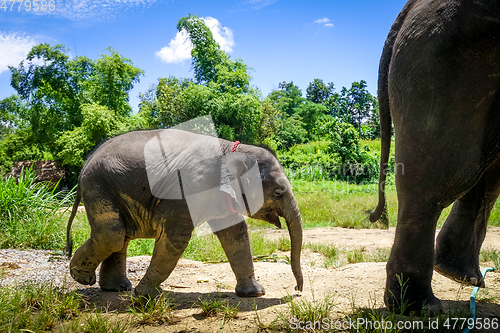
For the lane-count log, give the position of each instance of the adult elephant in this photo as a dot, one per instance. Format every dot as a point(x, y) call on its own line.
point(439, 81)
point(161, 184)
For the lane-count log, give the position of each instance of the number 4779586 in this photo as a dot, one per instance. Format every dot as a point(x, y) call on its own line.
point(27, 5)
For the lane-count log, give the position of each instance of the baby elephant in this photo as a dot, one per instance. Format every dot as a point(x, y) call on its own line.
point(161, 184)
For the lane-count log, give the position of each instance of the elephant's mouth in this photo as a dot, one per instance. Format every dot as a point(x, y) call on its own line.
point(270, 217)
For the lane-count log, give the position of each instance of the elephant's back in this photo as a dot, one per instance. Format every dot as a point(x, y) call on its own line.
point(131, 156)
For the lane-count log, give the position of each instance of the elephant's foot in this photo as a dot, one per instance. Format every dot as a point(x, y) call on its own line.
point(463, 270)
point(249, 288)
point(83, 277)
point(402, 299)
point(142, 290)
point(469, 275)
point(120, 283)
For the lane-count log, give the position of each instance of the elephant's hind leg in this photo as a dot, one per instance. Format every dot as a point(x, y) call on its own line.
point(459, 242)
point(113, 275)
point(107, 236)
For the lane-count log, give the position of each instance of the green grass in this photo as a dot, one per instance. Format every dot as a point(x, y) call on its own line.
point(340, 204)
point(152, 311)
point(207, 248)
point(330, 253)
point(30, 214)
point(214, 306)
point(36, 307)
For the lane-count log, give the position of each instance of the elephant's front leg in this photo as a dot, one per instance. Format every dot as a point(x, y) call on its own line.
point(236, 245)
point(169, 246)
point(410, 265)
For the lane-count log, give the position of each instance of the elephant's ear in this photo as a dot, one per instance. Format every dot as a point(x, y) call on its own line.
point(244, 175)
point(233, 165)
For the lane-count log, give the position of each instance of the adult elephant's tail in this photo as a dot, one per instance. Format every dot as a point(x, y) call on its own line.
point(385, 112)
point(69, 240)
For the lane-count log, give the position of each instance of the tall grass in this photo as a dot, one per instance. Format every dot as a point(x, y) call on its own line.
point(31, 214)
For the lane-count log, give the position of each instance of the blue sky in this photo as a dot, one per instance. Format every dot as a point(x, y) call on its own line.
point(337, 40)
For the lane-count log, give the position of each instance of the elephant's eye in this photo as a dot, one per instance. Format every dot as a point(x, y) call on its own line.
point(277, 193)
point(279, 190)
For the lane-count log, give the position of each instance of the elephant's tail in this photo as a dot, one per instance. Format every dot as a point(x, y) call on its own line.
point(385, 111)
point(69, 240)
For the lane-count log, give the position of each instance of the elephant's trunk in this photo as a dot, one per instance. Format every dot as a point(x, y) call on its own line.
point(291, 214)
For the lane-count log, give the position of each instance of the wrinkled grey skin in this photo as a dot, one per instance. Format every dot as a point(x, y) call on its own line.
point(120, 207)
point(439, 80)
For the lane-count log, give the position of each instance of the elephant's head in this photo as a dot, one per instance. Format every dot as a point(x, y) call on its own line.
point(267, 195)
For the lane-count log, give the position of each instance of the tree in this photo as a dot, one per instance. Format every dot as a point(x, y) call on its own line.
point(221, 88)
point(310, 114)
point(354, 105)
point(12, 109)
point(112, 78)
point(290, 132)
point(71, 103)
point(286, 98)
point(236, 116)
point(360, 103)
point(52, 90)
point(210, 63)
point(318, 92)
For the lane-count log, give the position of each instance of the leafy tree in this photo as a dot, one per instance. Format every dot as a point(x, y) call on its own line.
point(236, 116)
point(286, 98)
point(51, 90)
point(222, 89)
point(56, 89)
point(11, 111)
point(359, 100)
point(372, 127)
point(210, 63)
point(112, 78)
point(355, 105)
point(318, 92)
point(290, 132)
point(311, 114)
point(67, 106)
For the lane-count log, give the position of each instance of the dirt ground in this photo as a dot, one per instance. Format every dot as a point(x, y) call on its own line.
point(361, 282)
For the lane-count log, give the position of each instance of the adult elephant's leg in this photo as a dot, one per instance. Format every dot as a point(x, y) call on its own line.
point(433, 178)
point(410, 265)
point(169, 246)
point(113, 276)
point(236, 245)
point(107, 236)
point(459, 242)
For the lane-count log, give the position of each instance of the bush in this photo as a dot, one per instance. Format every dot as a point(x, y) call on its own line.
point(339, 157)
point(30, 214)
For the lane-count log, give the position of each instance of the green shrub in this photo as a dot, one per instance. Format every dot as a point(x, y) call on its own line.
point(31, 214)
point(343, 159)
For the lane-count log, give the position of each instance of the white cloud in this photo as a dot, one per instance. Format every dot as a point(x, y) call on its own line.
point(179, 48)
point(222, 35)
point(258, 4)
point(322, 20)
point(325, 22)
point(94, 10)
point(13, 49)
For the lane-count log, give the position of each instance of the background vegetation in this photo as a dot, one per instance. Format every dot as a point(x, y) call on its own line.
point(66, 106)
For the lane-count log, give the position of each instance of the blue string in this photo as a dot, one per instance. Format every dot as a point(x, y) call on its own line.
point(473, 300)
